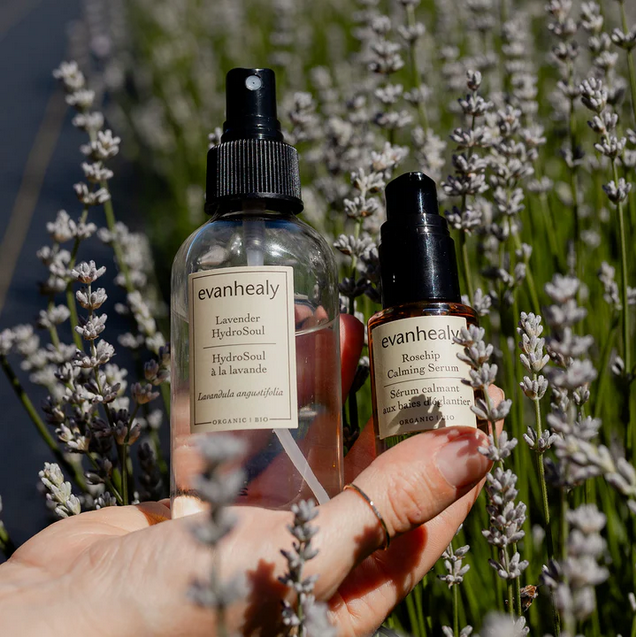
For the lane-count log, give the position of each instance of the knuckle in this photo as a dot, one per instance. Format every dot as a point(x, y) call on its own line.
point(405, 502)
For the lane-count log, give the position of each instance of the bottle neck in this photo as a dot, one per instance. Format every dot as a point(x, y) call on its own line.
point(257, 207)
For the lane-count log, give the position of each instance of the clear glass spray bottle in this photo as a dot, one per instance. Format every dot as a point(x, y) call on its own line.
point(254, 318)
point(417, 378)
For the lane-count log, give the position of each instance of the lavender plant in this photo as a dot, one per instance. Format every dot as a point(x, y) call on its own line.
point(456, 570)
point(87, 420)
point(218, 486)
point(304, 617)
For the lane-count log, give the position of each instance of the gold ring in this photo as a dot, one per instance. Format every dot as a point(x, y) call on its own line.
point(372, 506)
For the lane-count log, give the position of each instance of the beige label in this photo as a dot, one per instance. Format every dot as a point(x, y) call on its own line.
point(418, 377)
point(242, 349)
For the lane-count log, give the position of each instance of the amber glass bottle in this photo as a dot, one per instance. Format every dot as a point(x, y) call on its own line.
point(417, 378)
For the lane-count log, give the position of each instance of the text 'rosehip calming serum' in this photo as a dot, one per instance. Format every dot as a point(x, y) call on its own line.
point(254, 312)
point(416, 374)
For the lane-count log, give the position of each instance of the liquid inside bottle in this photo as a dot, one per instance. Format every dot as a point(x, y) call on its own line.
point(282, 465)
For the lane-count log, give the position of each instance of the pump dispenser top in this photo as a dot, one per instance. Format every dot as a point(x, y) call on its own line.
point(417, 254)
point(252, 162)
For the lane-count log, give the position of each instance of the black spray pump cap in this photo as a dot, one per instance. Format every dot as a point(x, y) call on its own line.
point(417, 254)
point(252, 162)
point(251, 106)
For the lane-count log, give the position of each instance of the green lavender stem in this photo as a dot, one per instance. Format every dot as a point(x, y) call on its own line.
point(70, 467)
point(465, 264)
point(456, 623)
point(624, 277)
point(121, 451)
point(629, 60)
point(117, 249)
point(6, 543)
point(70, 295)
point(107, 481)
point(352, 401)
point(415, 71)
point(573, 175)
point(607, 349)
point(530, 281)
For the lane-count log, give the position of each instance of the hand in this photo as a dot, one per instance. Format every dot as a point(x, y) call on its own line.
point(125, 570)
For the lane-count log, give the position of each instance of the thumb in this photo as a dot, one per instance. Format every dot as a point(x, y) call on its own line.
point(409, 485)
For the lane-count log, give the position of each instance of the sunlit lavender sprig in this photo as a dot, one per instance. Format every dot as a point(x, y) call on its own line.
point(364, 209)
point(534, 359)
point(412, 32)
point(482, 374)
point(218, 486)
point(102, 144)
point(456, 570)
point(505, 517)
point(303, 117)
point(59, 493)
point(469, 179)
point(512, 153)
point(564, 27)
point(384, 60)
point(574, 577)
point(571, 377)
point(305, 617)
point(595, 96)
point(134, 262)
point(579, 456)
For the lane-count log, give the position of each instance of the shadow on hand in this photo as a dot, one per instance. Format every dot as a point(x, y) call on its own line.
point(263, 613)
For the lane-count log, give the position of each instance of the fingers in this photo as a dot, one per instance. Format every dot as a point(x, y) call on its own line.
point(409, 484)
point(364, 449)
point(373, 589)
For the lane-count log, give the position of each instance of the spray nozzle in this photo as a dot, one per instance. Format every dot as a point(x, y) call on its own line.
point(251, 106)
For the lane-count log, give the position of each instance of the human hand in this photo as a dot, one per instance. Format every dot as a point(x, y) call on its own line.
point(125, 570)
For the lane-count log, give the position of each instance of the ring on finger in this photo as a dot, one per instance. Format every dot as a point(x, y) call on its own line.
point(352, 487)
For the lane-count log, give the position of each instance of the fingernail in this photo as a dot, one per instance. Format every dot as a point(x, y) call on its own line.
point(459, 461)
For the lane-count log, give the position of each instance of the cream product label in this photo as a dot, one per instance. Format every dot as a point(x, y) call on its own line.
point(242, 349)
point(418, 377)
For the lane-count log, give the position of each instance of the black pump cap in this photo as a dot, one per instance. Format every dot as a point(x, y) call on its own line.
point(251, 106)
point(411, 194)
point(417, 254)
point(252, 161)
